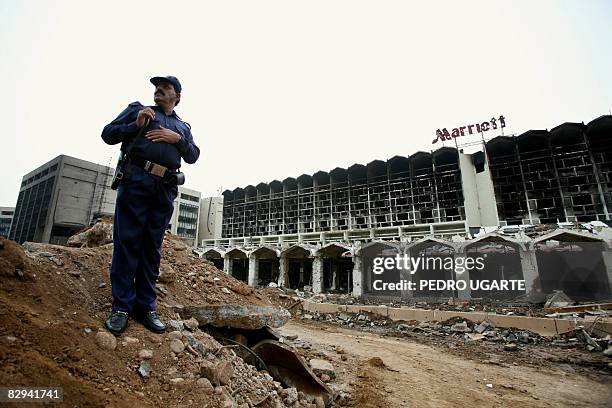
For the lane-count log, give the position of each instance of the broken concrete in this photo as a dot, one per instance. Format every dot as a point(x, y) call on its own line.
point(558, 299)
point(250, 317)
point(100, 234)
point(540, 325)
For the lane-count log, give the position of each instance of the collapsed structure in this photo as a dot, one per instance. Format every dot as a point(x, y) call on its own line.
point(313, 230)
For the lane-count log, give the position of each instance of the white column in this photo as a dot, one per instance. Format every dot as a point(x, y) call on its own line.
point(334, 272)
point(283, 279)
point(529, 265)
point(465, 277)
point(228, 264)
point(253, 270)
point(317, 274)
point(357, 276)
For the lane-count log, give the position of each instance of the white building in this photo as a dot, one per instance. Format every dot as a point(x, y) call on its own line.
point(6, 217)
point(211, 218)
point(186, 215)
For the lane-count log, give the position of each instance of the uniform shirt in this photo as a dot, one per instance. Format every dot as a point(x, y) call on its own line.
point(124, 130)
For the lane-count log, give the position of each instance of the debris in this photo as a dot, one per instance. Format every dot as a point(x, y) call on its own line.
point(144, 369)
point(474, 336)
point(320, 367)
point(510, 347)
point(175, 334)
point(482, 327)
point(251, 317)
point(589, 340)
point(460, 327)
point(129, 340)
point(217, 374)
point(377, 362)
point(175, 325)
point(106, 340)
point(100, 234)
point(205, 385)
point(145, 354)
point(177, 346)
point(558, 299)
point(191, 324)
point(166, 273)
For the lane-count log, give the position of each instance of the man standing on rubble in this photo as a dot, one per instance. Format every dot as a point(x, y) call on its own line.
point(145, 199)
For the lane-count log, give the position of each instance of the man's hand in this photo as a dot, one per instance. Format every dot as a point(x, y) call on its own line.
point(163, 135)
point(143, 115)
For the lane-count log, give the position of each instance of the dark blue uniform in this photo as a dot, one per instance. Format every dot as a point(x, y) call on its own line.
point(144, 206)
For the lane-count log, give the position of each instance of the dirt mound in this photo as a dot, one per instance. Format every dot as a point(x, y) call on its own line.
point(53, 302)
point(377, 362)
point(13, 261)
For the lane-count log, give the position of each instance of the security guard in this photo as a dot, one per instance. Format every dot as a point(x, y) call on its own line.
point(145, 200)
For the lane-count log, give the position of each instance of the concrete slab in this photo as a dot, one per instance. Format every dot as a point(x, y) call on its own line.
point(543, 326)
point(408, 314)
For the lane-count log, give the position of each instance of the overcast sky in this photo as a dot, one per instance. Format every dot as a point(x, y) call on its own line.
point(280, 88)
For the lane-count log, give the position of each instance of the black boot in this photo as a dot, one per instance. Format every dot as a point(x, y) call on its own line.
point(150, 321)
point(117, 322)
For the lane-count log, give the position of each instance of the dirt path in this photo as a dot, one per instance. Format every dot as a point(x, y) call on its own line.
point(421, 376)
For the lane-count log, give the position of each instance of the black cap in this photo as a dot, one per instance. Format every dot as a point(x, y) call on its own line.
point(173, 80)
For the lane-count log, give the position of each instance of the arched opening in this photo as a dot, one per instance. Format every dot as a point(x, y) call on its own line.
point(239, 267)
point(436, 264)
point(337, 268)
point(372, 279)
point(267, 264)
point(501, 260)
point(299, 267)
point(574, 265)
point(215, 257)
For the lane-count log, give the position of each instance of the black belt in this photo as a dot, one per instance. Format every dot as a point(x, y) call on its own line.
point(149, 166)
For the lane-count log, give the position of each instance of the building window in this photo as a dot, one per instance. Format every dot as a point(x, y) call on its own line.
point(189, 197)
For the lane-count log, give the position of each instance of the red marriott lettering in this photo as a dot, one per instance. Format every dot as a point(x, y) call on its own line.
point(494, 123)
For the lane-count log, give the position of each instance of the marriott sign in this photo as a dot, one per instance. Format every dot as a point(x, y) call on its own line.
point(494, 123)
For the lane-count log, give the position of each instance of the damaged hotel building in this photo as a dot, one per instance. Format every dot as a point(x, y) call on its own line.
point(538, 205)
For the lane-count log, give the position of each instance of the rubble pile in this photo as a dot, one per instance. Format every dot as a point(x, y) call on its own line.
point(468, 332)
point(53, 302)
point(472, 305)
